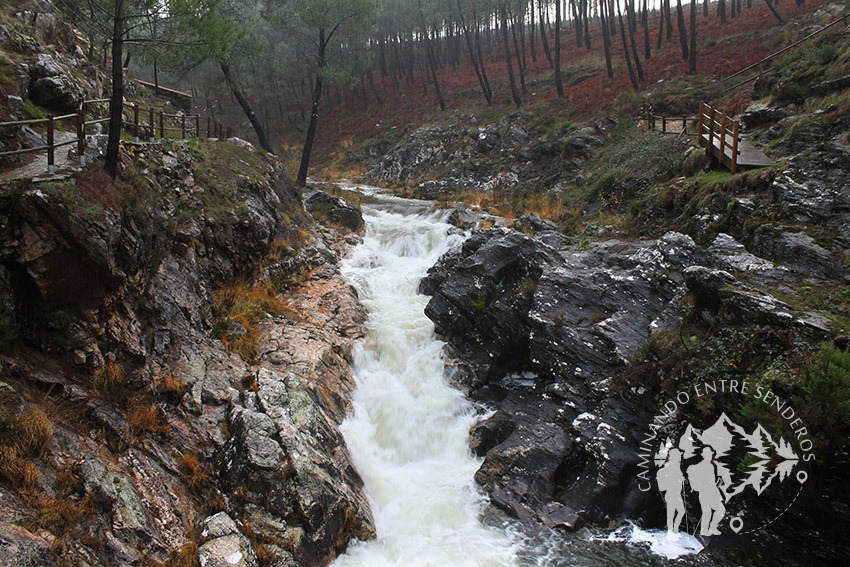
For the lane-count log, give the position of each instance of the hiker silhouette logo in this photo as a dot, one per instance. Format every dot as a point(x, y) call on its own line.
point(706, 471)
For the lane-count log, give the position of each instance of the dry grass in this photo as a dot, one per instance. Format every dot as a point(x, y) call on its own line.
point(32, 433)
point(145, 418)
point(170, 386)
point(245, 304)
point(18, 472)
point(108, 378)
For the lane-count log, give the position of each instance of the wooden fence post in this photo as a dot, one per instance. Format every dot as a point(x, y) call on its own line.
point(81, 134)
point(150, 123)
point(51, 168)
point(736, 128)
point(209, 120)
point(699, 127)
point(663, 124)
point(161, 125)
point(183, 126)
point(136, 120)
point(723, 138)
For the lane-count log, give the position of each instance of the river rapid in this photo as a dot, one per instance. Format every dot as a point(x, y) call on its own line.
point(408, 433)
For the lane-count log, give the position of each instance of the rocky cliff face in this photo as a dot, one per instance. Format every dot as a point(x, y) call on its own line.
point(157, 445)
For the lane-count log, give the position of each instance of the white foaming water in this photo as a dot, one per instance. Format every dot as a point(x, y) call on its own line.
point(408, 435)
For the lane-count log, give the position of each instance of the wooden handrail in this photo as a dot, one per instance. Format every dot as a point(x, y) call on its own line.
point(80, 124)
point(764, 60)
point(716, 125)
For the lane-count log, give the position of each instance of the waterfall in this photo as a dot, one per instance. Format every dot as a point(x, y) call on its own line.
point(408, 434)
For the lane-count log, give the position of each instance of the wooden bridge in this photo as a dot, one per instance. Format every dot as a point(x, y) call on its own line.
point(720, 135)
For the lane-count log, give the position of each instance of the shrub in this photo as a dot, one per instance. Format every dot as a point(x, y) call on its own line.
point(824, 402)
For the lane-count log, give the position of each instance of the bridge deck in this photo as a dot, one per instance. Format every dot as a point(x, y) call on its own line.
point(748, 155)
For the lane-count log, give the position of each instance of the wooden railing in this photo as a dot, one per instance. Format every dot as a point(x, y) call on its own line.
point(670, 124)
point(760, 64)
point(719, 133)
point(156, 122)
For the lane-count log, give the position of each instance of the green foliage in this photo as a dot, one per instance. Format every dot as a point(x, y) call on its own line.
point(824, 402)
point(825, 53)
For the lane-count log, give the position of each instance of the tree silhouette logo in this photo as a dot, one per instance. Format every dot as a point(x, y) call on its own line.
point(717, 465)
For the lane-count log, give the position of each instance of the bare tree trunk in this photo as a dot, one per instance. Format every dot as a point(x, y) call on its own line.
point(432, 63)
point(630, 13)
point(647, 53)
point(116, 104)
point(559, 84)
point(626, 51)
point(246, 107)
point(683, 32)
point(774, 12)
point(543, 39)
point(606, 37)
point(532, 31)
point(519, 62)
point(314, 113)
point(507, 48)
point(485, 88)
point(692, 60)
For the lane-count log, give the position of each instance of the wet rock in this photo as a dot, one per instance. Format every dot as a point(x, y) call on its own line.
point(24, 549)
point(16, 106)
point(532, 223)
point(507, 302)
point(31, 138)
point(222, 545)
point(726, 253)
point(792, 247)
point(45, 66)
point(241, 143)
point(720, 297)
point(759, 113)
point(335, 209)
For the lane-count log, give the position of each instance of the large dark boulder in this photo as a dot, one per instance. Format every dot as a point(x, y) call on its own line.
point(334, 209)
point(542, 334)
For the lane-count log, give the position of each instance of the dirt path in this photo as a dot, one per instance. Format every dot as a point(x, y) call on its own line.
point(37, 168)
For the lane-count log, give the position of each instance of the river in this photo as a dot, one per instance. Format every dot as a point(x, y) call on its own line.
point(408, 434)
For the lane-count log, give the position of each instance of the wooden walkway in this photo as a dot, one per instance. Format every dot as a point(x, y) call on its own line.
point(721, 137)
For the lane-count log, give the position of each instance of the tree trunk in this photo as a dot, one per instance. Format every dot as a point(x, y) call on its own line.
point(774, 12)
point(507, 47)
point(669, 19)
point(647, 53)
point(543, 39)
point(246, 107)
point(532, 31)
point(314, 113)
point(485, 88)
point(683, 32)
point(116, 104)
point(519, 62)
point(606, 38)
point(692, 60)
point(559, 84)
point(432, 64)
point(721, 10)
point(630, 14)
point(626, 51)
